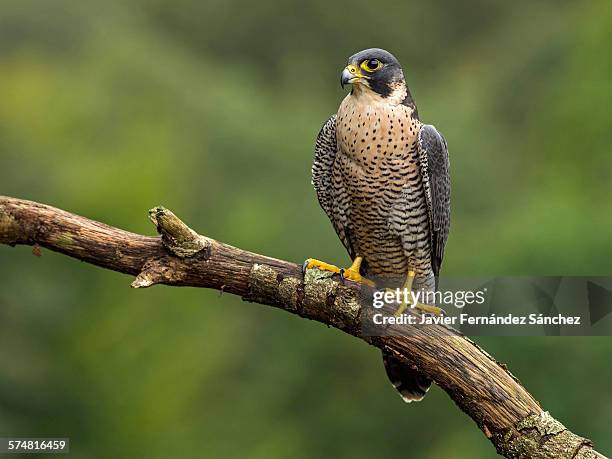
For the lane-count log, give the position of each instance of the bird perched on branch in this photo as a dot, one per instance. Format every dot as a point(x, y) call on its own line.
point(382, 177)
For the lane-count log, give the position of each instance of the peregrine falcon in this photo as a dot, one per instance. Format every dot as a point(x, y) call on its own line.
point(382, 177)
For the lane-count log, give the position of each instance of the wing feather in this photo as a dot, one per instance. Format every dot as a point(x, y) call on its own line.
point(330, 193)
point(433, 155)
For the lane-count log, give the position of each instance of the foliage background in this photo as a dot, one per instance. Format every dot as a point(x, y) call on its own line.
point(211, 108)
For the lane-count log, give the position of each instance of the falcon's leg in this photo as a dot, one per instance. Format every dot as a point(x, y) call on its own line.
point(351, 273)
point(425, 308)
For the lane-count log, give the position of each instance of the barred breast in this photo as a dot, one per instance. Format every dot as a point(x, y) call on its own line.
point(377, 177)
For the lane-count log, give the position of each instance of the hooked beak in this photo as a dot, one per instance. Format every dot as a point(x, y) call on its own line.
point(351, 74)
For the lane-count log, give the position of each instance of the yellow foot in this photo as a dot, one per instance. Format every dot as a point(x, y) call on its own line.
point(425, 308)
point(351, 273)
point(402, 308)
point(312, 263)
point(407, 289)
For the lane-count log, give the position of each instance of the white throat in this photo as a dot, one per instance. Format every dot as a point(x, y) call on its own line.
point(364, 95)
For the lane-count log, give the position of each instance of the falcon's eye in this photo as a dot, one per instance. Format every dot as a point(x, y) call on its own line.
point(371, 65)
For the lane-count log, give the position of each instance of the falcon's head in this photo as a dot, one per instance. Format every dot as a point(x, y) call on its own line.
point(376, 71)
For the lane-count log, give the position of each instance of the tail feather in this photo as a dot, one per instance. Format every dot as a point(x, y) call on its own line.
point(411, 384)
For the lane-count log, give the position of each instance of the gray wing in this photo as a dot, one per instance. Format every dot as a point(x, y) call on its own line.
point(330, 192)
point(433, 155)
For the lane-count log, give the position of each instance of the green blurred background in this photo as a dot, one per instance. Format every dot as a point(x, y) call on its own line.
point(211, 109)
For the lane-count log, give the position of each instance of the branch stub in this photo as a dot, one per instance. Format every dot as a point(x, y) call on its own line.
point(176, 236)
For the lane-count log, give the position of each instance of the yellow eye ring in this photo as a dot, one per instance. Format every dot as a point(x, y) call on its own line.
point(371, 65)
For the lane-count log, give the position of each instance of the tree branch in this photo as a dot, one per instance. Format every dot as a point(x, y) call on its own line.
point(483, 388)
